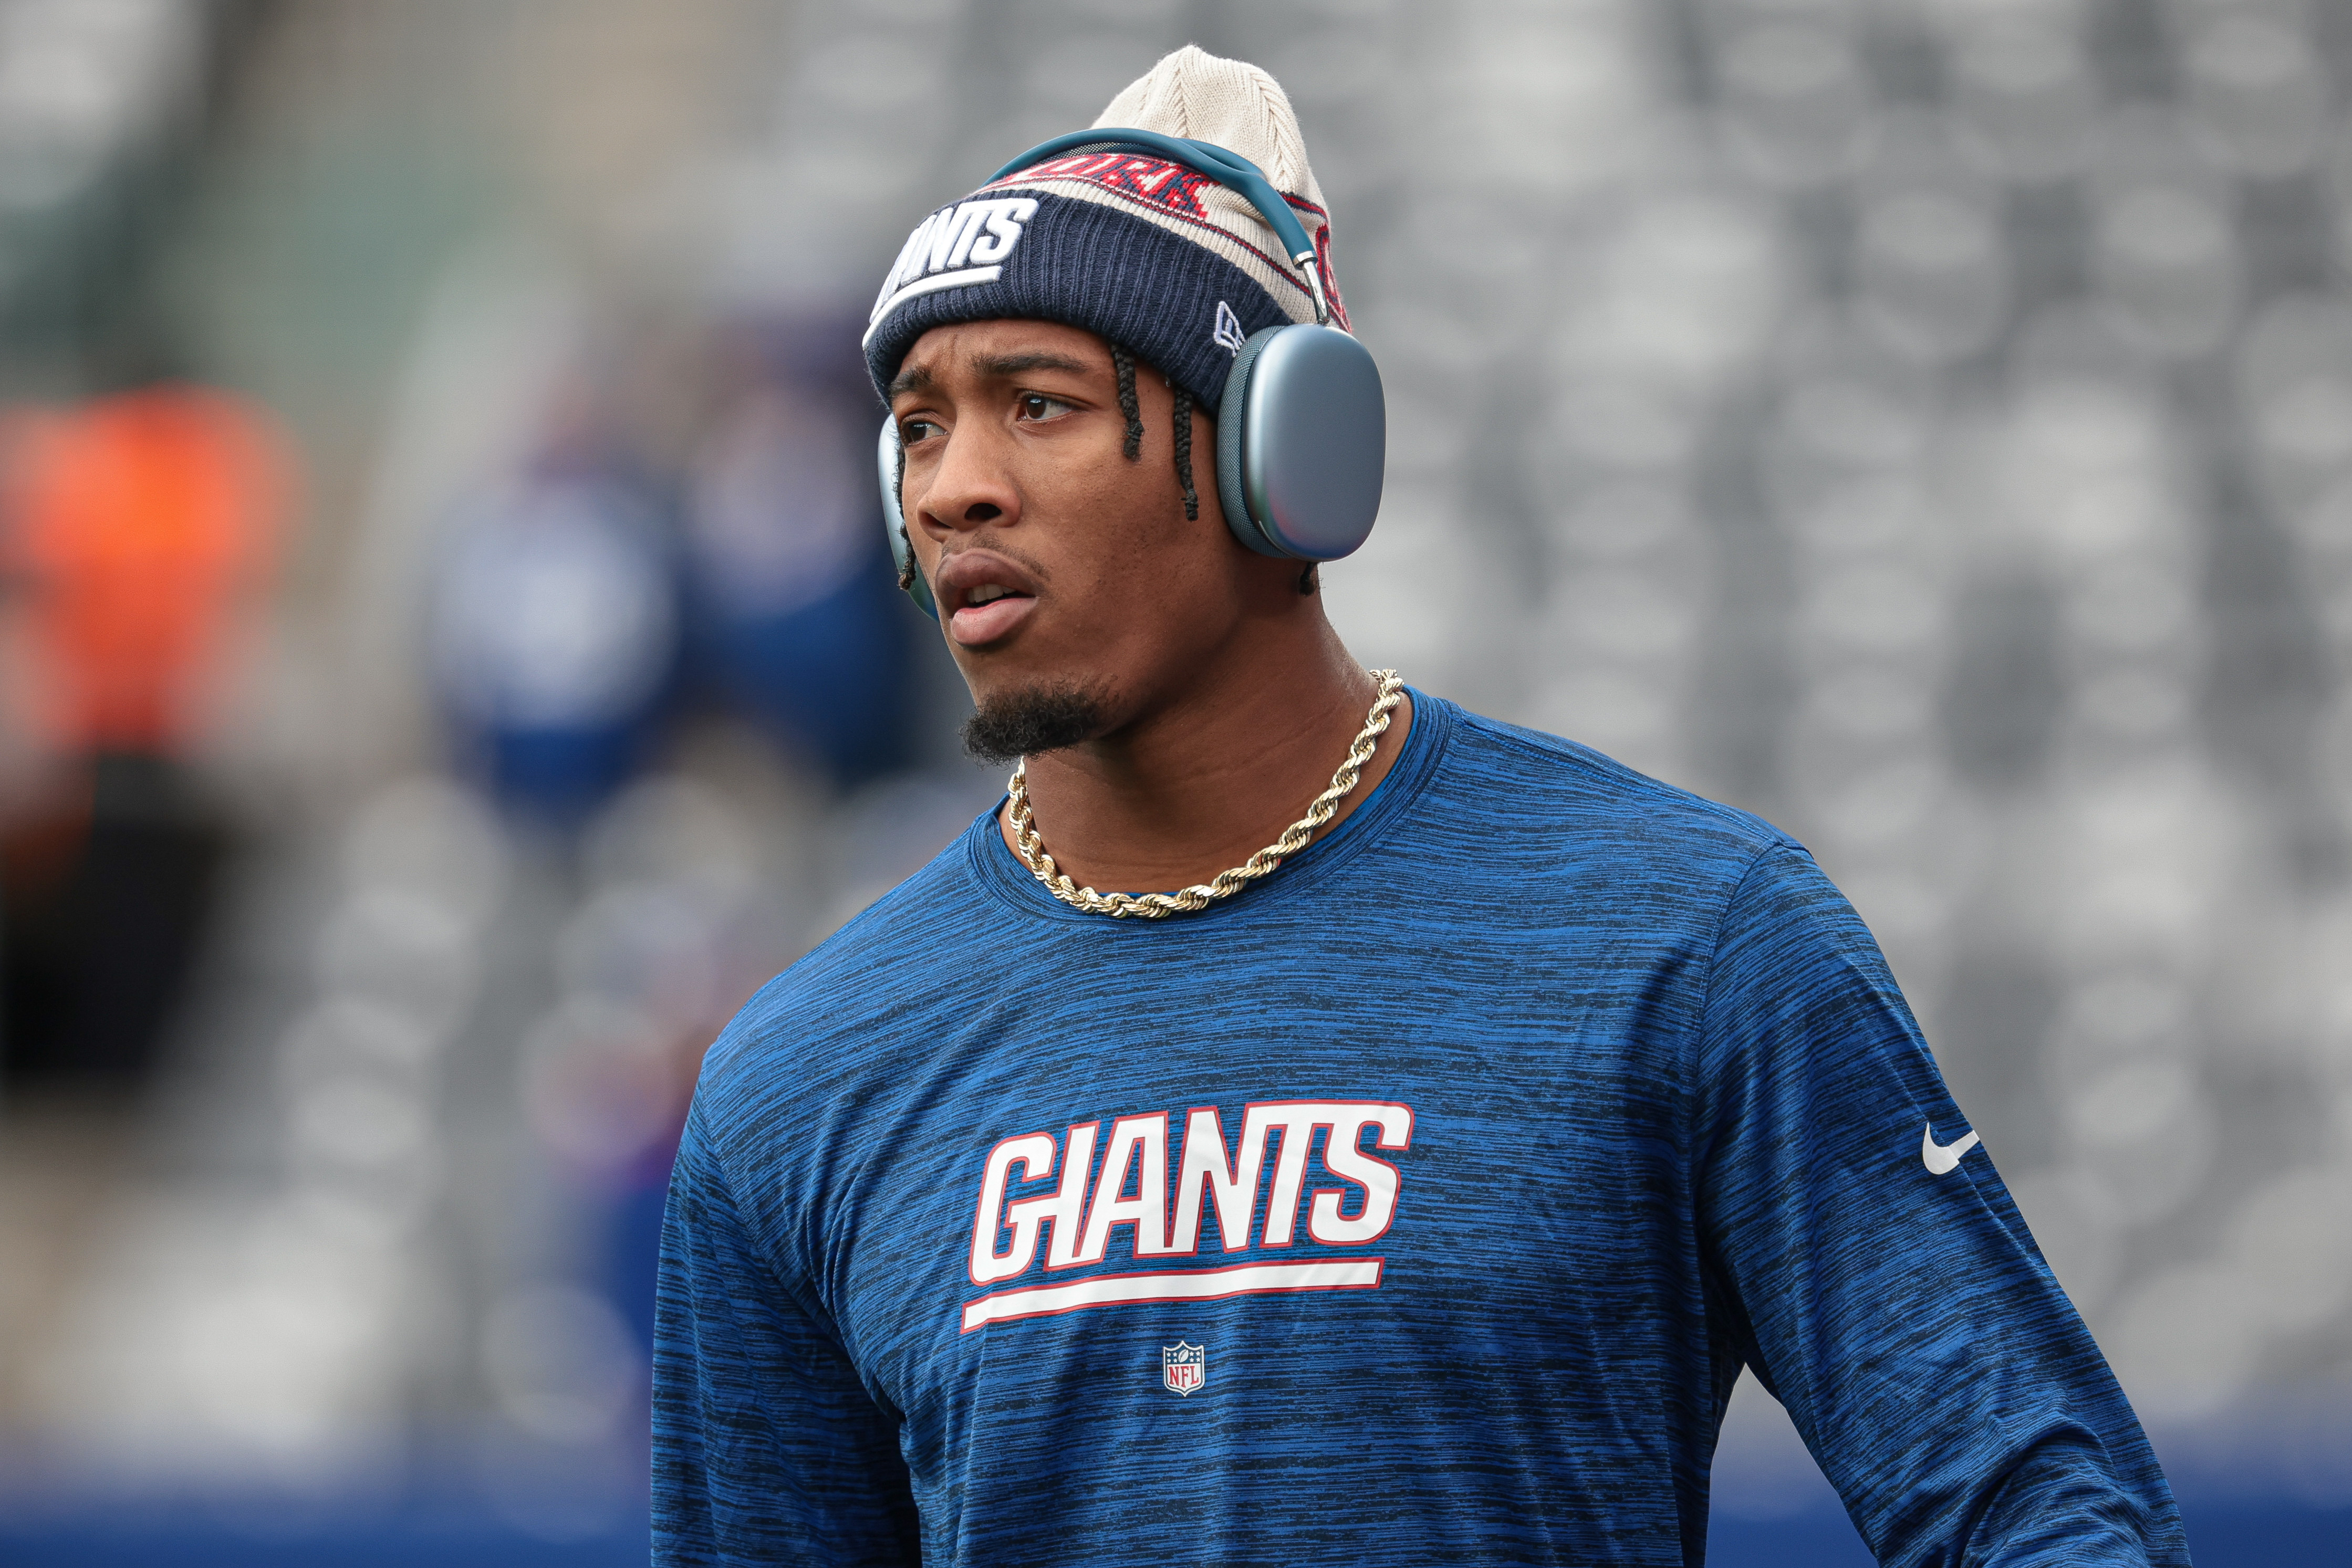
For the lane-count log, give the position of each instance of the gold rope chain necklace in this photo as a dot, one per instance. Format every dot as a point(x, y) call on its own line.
point(1225, 884)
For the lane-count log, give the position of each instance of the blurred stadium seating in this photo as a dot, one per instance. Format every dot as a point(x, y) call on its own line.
point(1925, 422)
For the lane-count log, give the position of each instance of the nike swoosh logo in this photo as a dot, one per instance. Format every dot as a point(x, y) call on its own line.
point(1941, 1158)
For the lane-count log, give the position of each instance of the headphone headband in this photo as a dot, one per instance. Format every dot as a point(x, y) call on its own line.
point(1228, 169)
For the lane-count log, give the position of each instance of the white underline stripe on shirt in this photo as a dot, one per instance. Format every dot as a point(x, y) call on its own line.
point(1171, 1285)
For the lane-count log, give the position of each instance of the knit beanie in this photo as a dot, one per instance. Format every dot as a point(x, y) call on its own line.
point(1144, 254)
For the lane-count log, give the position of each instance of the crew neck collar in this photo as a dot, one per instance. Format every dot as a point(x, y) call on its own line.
point(1001, 873)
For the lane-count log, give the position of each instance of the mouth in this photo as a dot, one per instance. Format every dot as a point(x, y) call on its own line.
point(986, 597)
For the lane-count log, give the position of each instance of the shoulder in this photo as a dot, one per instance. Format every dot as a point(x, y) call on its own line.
point(845, 1007)
point(1553, 798)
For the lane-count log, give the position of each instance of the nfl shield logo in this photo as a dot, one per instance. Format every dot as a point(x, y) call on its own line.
point(1182, 1368)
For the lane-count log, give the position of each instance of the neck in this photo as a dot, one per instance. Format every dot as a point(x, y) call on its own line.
point(1209, 774)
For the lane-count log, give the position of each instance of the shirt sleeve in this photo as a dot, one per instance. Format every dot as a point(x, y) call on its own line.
point(1900, 1313)
point(767, 1448)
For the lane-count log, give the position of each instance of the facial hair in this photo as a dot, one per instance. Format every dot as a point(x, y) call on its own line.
point(1034, 721)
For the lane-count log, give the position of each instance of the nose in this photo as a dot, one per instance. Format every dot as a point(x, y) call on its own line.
point(972, 486)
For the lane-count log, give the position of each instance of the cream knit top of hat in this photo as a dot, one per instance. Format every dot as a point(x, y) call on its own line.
point(1231, 104)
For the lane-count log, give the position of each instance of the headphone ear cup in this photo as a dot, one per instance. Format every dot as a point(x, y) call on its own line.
point(1232, 418)
point(1302, 442)
point(894, 520)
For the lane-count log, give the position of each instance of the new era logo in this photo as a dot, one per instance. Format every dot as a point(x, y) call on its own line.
point(1228, 334)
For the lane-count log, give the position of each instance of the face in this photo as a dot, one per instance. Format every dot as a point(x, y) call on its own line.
point(1059, 563)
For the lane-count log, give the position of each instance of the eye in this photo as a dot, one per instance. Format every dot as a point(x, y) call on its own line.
point(918, 430)
point(1036, 407)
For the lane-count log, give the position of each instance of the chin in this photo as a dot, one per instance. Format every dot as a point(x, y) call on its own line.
point(1028, 718)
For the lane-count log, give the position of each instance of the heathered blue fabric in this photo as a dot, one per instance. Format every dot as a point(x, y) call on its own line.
point(1119, 276)
point(1666, 1118)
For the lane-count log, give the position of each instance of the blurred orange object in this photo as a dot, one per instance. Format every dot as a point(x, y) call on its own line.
point(135, 526)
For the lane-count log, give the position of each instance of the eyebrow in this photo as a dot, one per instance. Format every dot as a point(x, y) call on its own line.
point(1003, 366)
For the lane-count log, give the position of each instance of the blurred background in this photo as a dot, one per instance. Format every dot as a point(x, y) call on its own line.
point(448, 660)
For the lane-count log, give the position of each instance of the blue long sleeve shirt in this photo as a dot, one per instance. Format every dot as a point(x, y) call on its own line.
point(1419, 1205)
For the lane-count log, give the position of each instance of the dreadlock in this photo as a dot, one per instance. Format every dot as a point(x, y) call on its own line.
point(1184, 450)
point(1122, 364)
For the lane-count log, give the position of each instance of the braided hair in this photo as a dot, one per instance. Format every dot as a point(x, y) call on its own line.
point(1122, 364)
point(1184, 452)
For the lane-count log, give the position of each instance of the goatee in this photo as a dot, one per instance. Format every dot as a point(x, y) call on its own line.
point(1040, 719)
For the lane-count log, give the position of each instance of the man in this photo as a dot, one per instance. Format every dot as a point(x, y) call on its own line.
point(1415, 1200)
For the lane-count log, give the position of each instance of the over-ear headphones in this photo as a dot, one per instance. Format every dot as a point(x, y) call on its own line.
point(1302, 433)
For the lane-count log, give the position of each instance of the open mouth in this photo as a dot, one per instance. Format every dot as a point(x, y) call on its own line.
point(989, 596)
point(988, 613)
